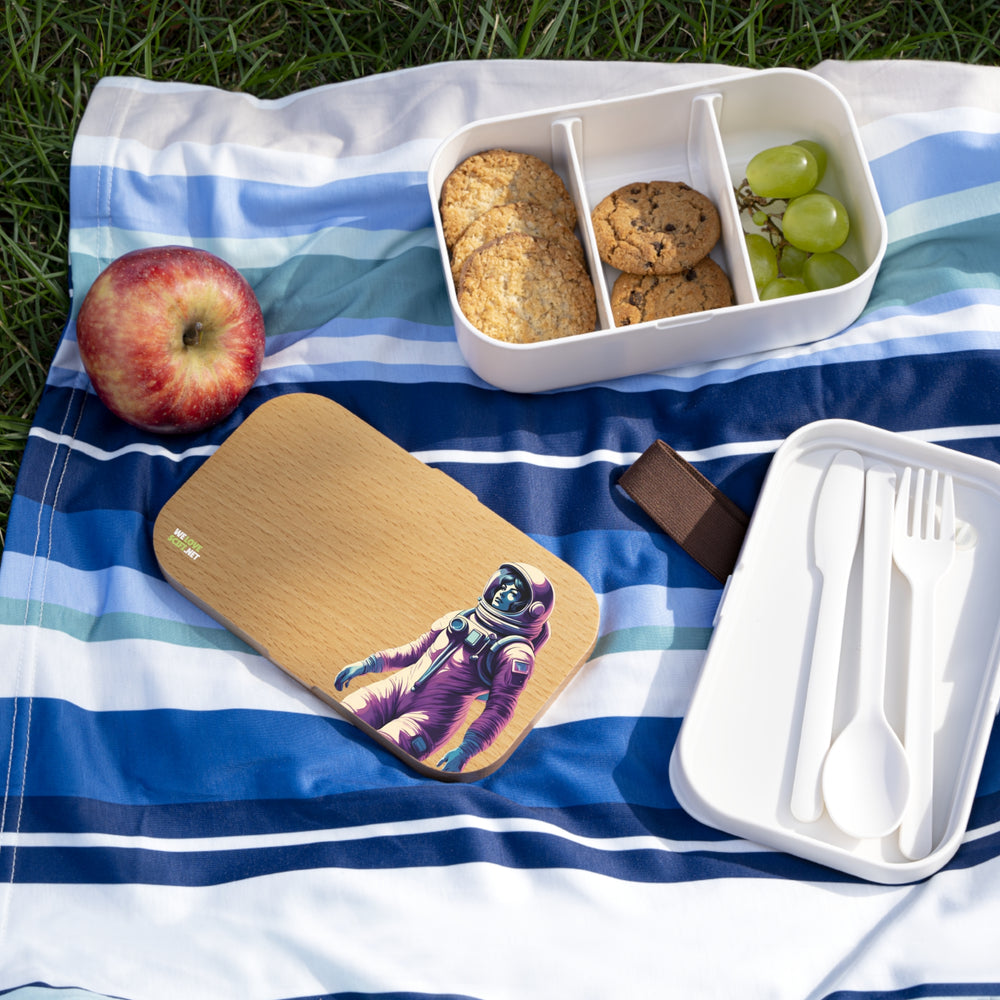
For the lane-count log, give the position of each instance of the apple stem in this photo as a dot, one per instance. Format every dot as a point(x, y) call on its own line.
point(192, 335)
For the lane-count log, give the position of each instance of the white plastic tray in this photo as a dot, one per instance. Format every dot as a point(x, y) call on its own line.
point(734, 760)
point(703, 135)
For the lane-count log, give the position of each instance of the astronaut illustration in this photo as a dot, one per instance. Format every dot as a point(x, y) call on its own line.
point(484, 652)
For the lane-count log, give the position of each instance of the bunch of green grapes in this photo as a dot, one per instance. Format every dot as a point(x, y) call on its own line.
point(799, 228)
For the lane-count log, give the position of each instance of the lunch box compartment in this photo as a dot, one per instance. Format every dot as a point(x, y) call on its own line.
point(702, 135)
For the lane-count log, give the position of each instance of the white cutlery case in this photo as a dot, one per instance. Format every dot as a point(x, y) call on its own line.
point(734, 760)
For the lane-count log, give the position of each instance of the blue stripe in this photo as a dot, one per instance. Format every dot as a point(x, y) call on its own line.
point(764, 409)
point(96, 541)
point(281, 756)
point(85, 540)
point(935, 165)
point(923, 991)
point(113, 590)
point(522, 850)
point(257, 754)
point(204, 206)
point(947, 266)
point(400, 805)
point(306, 292)
point(339, 327)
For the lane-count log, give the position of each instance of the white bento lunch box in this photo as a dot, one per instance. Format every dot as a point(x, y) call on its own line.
point(703, 135)
point(734, 763)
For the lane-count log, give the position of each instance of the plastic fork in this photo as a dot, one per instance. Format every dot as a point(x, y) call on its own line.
point(923, 547)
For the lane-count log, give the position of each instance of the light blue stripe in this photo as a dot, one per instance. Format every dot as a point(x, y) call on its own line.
point(110, 626)
point(938, 164)
point(342, 241)
point(207, 205)
point(652, 638)
point(96, 592)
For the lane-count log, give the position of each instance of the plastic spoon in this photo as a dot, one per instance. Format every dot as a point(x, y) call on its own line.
point(866, 777)
point(835, 540)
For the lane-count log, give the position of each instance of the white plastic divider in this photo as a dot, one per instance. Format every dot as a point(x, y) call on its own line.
point(709, 171)
point(567, 145)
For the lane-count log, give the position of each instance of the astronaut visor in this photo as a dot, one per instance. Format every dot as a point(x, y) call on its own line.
point(512, 593)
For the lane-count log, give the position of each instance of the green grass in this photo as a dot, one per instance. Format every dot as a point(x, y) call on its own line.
point(52, 53)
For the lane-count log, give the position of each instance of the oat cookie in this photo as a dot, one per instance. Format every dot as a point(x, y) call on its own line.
point(496, 177)
point(655, 227)
point(636, 298)
point(529, 217)
point(522, 289)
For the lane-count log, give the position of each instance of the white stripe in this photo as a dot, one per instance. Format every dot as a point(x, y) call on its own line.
point(646, 684)
point(430, 930)
point(253, 252)
point(894, 132)
point(977, 323)
point(461, 457)
point(143, 674)
point(139, 447)
point(291, 167)
point(370, 349)
point(408, 828)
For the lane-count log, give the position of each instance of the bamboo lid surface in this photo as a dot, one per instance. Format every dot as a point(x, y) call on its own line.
point(326, 546)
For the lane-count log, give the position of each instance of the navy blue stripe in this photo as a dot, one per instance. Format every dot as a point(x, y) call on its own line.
point(400, 804)
point(95, 540)
point(523, 850)
point(923, 991)
point(953, 389)
point(351, 995)
point(244, 754)
point(898, 394)
point(545, 503)
point(213, 206)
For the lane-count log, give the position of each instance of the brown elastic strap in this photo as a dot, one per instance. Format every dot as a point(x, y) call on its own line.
point(690, 509)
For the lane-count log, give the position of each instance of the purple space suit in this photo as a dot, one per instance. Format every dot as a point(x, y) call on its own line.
point(484, 652)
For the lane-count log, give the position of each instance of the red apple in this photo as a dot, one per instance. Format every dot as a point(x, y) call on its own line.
point(172, 338)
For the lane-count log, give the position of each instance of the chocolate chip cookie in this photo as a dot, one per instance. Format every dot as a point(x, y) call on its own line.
point(521, 289)
point(496, 177)
point(638, 298)
point(655, 227)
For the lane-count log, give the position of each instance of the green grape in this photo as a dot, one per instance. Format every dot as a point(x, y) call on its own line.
point(781, 287)
point(782, 172)
point(827, 270)
point(816, 222)
point(791, 260)
point(818, 152)
point(763, 260)
point(759, 218)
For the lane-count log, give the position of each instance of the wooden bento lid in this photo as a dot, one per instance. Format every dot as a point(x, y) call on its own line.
point(321, 542)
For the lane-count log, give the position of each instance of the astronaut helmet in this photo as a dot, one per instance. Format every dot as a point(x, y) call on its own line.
point(517, 599)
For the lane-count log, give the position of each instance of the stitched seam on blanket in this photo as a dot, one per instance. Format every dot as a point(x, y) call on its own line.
point(25, 659)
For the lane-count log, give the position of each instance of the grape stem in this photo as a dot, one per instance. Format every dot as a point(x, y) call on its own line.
point(773, 209)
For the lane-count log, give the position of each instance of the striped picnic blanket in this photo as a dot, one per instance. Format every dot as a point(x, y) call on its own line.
point(181, 819)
